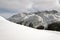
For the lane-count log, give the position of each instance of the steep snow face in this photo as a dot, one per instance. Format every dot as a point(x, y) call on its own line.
point(12, 31)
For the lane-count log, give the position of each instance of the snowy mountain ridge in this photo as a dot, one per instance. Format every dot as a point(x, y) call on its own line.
point(45, 17)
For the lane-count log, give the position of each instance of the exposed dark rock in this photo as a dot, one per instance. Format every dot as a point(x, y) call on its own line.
point(31, 25)
point(40, 27)
point(54, 11)
point(20, 22)
point(46, 11)
point(37, 12)
point(54, 26)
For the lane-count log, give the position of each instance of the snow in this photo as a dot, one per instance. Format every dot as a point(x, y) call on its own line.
point(13, 31)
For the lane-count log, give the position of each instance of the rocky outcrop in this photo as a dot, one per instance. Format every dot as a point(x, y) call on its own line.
point(54, 26)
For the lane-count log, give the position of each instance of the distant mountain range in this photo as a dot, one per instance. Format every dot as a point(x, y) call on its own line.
point(36, 19)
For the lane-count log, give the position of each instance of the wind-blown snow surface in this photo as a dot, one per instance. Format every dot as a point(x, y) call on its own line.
point(12, 31)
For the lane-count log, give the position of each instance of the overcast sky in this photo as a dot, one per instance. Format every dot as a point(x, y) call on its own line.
point(15, 6)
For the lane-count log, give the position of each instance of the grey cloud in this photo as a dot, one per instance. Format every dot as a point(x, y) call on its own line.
point(29, 4)
point(6, 15)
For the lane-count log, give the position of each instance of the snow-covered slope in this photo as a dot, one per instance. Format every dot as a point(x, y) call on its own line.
point(12, 31)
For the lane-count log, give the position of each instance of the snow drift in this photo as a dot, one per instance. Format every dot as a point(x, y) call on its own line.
point(12, 31)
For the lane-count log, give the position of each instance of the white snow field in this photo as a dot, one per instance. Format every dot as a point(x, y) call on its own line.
point(12, 31)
